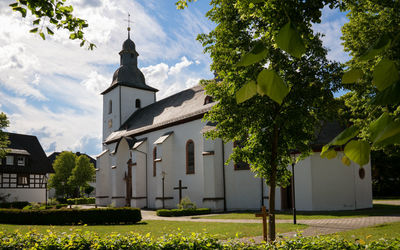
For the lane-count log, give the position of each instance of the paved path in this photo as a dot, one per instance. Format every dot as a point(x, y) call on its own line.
point(315, 226)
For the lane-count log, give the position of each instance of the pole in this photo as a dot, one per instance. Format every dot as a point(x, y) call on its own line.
point(163, 200)
point(293, 196)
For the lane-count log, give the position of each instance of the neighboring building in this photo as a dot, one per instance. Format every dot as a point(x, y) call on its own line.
point(164, 144)
point(52, 157)
point(24, 171)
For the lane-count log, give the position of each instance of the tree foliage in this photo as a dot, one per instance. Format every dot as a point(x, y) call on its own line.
point(271, 95)
point(50, 14)
point(71, 174)
point(4, 142)
point(82, 173)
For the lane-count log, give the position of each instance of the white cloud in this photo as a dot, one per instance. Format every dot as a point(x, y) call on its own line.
point(179, 66)
point(332, 22)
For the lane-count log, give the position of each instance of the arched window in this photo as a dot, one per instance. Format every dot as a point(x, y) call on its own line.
point(154, 161)
point(137, 103)
point(110, 107)
point(190, 157)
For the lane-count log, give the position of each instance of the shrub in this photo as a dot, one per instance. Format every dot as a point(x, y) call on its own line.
point(70, 216)
point(14, 204)
point(186, 203)
point(90, 240)
point(182, 212)
point(81, 201)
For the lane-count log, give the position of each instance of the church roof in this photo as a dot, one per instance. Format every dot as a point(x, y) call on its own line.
point(181, 107)
point(29, 146)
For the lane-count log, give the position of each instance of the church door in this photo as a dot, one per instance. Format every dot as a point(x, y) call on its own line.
point(286, 198)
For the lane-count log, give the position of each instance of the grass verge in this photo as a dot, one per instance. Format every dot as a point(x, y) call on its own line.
point(159, 228)
point(367, 234)
point(378, 209)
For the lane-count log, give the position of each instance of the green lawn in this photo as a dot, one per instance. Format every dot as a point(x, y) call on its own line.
point(158, 228)
point(378, 209)
point(389, 230)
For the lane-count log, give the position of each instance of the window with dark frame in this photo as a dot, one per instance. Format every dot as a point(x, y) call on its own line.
point(9, 160)
point(154, 161)
point(189, 157)
point(137, 103)
point(240, 165)
point(23, 179)
point(21, 161)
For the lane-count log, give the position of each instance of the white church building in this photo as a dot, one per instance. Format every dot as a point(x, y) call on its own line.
point(151, 146)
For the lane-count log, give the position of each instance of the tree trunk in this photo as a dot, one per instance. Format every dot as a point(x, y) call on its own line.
point(272, 185)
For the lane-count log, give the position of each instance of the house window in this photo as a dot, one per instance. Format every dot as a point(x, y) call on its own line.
point(21, 161)
point(9, 160)
point(23, 179)
point(154, 161)
point(190, 157)
point(240, 165)
point(110, 107)
point(137, 103)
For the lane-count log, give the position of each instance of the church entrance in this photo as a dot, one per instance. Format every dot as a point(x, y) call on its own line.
point(286, 198)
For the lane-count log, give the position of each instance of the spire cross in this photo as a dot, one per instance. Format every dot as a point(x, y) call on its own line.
point(129, 24)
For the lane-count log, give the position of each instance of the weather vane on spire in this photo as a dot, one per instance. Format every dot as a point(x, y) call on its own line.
point(129, 24)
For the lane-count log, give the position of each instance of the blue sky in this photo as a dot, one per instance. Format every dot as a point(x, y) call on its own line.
point(51, 88)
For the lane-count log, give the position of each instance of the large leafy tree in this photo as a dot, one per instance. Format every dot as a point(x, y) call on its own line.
point(50, 14)
point(63, 166)
point(82, 173)
point(4, 142)
point(71, 175)
point(273, 86)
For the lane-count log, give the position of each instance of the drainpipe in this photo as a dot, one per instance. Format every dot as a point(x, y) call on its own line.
point(262, 192)
point(223, 173)
point(147, 196)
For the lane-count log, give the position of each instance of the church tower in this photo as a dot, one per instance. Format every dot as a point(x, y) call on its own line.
point(128, 91)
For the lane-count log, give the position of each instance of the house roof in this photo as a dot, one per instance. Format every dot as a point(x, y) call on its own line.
point(181, 107)
point(28, 145)
point(54, 155)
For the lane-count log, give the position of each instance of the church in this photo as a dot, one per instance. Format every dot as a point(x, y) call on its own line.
point(154, 153)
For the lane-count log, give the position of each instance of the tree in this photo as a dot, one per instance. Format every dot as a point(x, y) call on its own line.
point(82, 173)
point(52, 14)
point(63, 166)
point(273, 86)
point(372, 36)
point(71, 174)
point(4, 142)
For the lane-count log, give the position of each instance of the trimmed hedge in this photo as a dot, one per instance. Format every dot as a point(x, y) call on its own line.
point(81, 201)
point(182, 212)
point(14, 204)
point(90, 240)
point(70, 216)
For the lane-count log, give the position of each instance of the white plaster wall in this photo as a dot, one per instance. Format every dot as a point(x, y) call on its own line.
point(174, 163)
point(363, 187)
point(113, 95)
point(333, 184)
point(303, 185)
point(103, 179)
point(25, 194)
point(243, 188)
point(139, 177)
point(119, 188)
point(128, 100)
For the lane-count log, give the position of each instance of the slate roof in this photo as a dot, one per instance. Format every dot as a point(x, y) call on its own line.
point(54, 155)
point(328, 131)
point(181, 107)
point(37, 159)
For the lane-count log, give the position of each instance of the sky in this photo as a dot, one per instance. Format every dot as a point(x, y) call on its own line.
point(51, 89)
